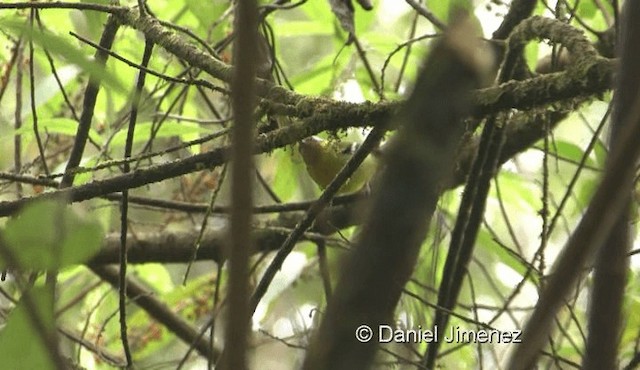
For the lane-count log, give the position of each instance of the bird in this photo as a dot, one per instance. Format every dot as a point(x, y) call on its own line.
point(324, 159)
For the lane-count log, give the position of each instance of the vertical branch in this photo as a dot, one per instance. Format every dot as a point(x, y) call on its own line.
point(17, 139)
point(124, 204)
point(419, 161)
point(471, 211)
point(88, 105)
point(405, 58)
point(243, 102)
point(32, 91)
point(612, 263)
point(597, 233)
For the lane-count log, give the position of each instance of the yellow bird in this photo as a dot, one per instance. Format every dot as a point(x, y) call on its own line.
point(324, 159)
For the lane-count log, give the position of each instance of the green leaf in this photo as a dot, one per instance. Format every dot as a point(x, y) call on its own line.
point(303, 28)
point(63, 47)
point(48, 235)
point(319, 77)
point(143, 131)
point(21, 345)
point(285, 181)
point(47, 88)
point(191, 302)
point(600, 152)
point(204, 11)
point(587, 9)
point(569, 152)
point(156, 275)
point(517, 191)
point(64, 126)
point(319, 11)
point(440, 9)
point(364, 20)
point(488, 245)
point(90, 24)
point(531, 54)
